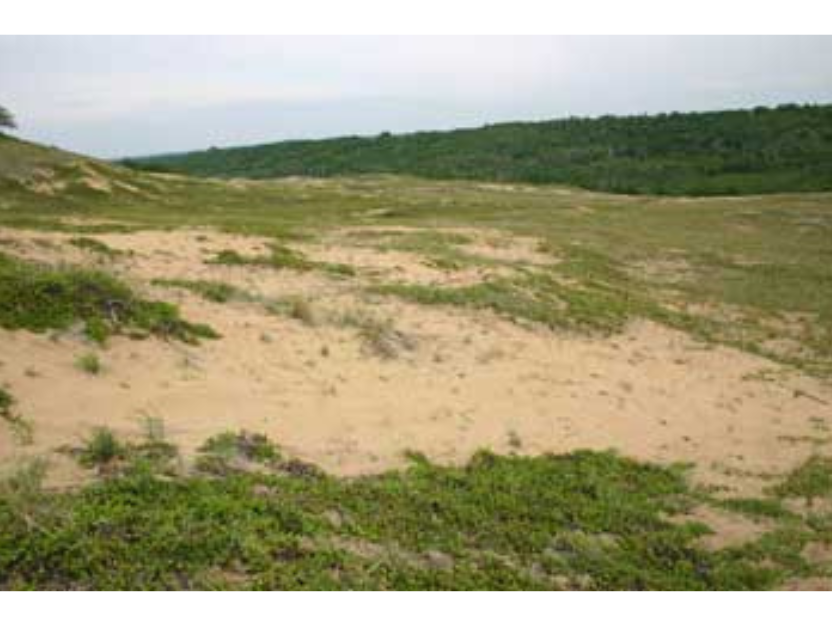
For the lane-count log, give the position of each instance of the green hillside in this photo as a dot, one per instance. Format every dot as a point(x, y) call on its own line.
point(46, 176)
point(763, 150)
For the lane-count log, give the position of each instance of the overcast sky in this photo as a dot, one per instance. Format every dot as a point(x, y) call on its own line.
point(119, 96)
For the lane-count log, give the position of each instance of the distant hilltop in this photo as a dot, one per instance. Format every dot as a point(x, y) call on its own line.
point(758, 150)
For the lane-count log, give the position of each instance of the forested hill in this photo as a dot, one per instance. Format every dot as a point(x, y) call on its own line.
point(788, 148)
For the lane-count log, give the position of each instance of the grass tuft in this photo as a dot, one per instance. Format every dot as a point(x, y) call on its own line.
point(101, 449)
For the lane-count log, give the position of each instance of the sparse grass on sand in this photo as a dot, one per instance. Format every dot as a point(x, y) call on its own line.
point(94, 246)
point(281, 257)
point(378, 335)
point(218, 292)
point(296, 307)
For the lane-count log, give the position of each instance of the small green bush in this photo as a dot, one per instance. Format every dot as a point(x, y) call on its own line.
point(89, 363)
point(6, 402)
point(101, 448)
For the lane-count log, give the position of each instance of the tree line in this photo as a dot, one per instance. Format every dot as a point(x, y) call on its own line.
point(759, 150)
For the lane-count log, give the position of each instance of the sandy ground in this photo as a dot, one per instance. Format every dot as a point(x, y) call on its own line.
point(466, 380)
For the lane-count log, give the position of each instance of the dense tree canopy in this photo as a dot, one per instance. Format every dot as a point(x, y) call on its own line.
point(6, 118)
point(788, 148)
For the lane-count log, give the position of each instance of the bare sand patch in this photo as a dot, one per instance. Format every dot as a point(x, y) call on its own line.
point(472, 382)
point(469, 380)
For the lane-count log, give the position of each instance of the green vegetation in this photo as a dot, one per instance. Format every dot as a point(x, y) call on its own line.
point(296, 307)
point(811, 480)
point(38, 298)
point(20, 428)
point(248, 518)
point(110, 456)
point(229, 452)
point(440, 250)
point(90, 363)
point(539, 298)
point(218, 292)
point(757, 507)
point(281, 257)
point(762, 150)
point(6, 402)
point(6, 119)
point(101, 449)
point(94, 246)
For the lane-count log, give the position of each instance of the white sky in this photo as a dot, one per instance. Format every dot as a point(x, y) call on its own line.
point(116, 96)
